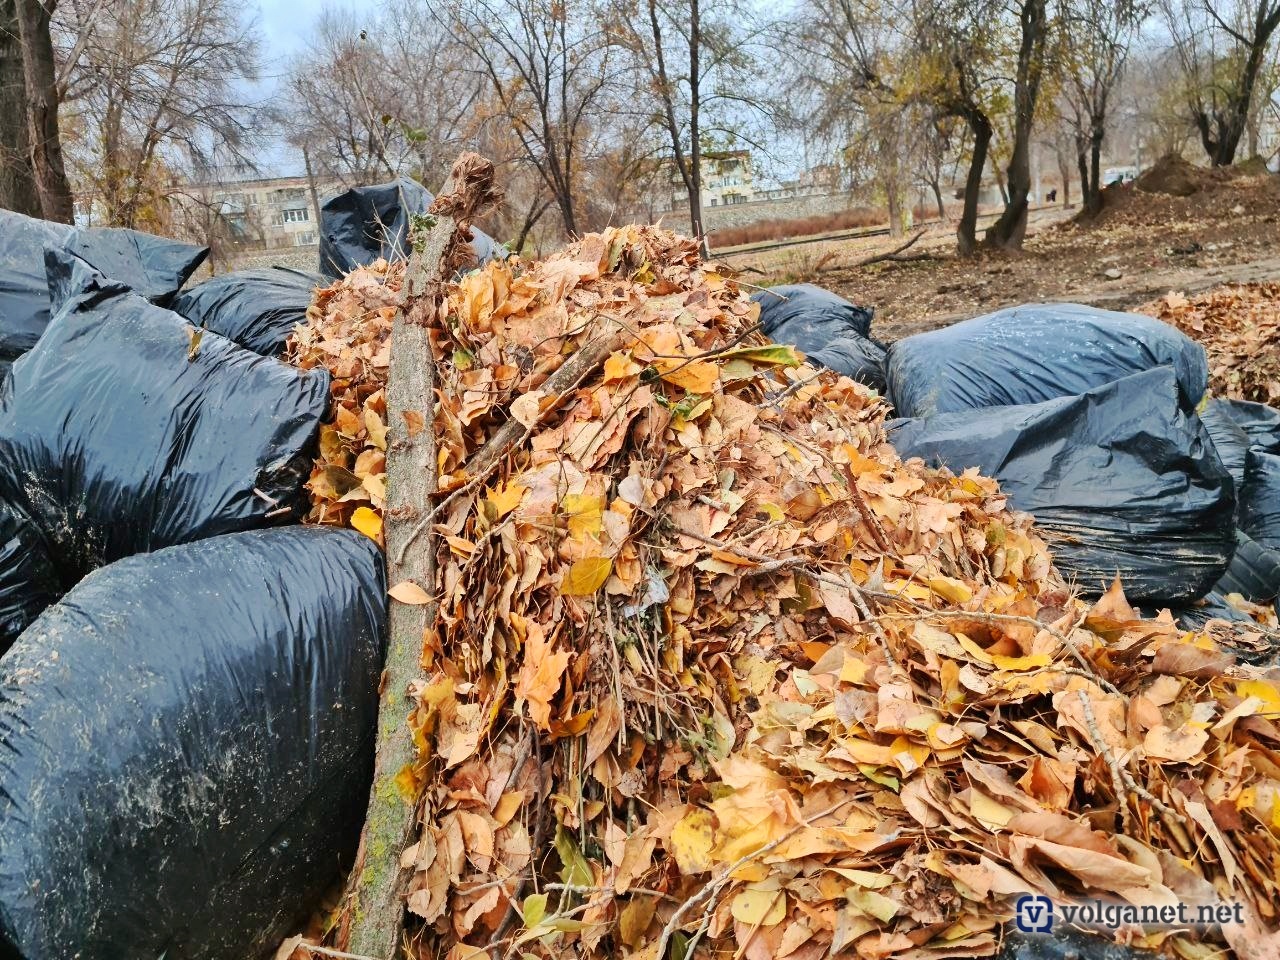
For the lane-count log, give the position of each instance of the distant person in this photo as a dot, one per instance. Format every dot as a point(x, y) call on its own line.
point(1053, 196)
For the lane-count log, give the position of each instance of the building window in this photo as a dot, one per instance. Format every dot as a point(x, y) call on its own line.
point(295, 215)
point(304, 239)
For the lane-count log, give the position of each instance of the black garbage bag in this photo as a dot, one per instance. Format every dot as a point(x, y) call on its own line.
point(1260, 423)
point(257, 309)
point(1254, 572)
point(1228, 437)
point(1034, 353)
point(29, 582)
point(365, 223)
point(1260, 499)
point(1213, 606)
point(828, 329)
point(1120, 478)
point(115, 440)
point(809, 316)
point(187, 744)
point(1066, 943)
point(154, 267)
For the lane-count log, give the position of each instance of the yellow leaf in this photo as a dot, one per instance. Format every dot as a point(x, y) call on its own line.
point(376, 429)
point(586, 576)
point(691, 841)
point(406, 591)
point(1268, 693)
point(773, 354)
point(367, 522)
point(949, 589)
point(875, 904)
point(508, 804)
point(1031, 662)
point(585, 514)
point(760, 904)
point(694, 376)
point(505, 498)
point(534, 909)
point(540, 671)
point(620, 366)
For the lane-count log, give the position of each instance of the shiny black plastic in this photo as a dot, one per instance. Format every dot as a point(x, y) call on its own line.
point(1120, 480)
point(154, 267)
point(1260, 422)
point(115, 438)
point(830, 330)
point(258, 309)
point(1260, 499)
point(365, 223)
point(186, 748)
point(1034, 353)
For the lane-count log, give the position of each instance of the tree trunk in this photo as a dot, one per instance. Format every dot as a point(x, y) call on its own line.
point(966, 230)
point(1082, 166)
point(17, 179)
point(1009, 230)
point(1095, 165)
point(311, 186)
point(695, 131)
point(45, 140)
point(378, 885)
point(937, 196)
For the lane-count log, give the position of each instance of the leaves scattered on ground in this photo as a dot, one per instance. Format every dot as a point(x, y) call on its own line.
point(715, 671)
point(1239, 327)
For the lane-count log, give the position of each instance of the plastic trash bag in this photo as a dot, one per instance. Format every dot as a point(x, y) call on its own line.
point(1034, 353)
point(1228, 437)
point(1213, 606)
point(1260, 422)
point(187, 743)
point(1254, 572)
point(1120, 479)
point(1260, 499)
point(810, 315)
point(828, 329)
point(365, 223)
point(118, 437)
point(154, 267)
point(258, 309)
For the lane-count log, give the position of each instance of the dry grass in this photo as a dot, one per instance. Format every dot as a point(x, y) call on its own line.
point(798, 227)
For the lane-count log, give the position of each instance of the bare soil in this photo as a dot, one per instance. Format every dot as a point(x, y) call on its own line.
point(1222, 226)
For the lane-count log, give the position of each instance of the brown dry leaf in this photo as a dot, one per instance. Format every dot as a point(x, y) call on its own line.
point(406, 591)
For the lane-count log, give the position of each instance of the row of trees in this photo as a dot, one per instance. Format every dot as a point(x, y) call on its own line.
point(594, 107)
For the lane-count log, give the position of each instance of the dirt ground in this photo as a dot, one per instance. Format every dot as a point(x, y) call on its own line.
point(1145, 243)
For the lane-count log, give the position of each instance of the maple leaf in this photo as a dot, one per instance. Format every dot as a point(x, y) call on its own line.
point(541, 670)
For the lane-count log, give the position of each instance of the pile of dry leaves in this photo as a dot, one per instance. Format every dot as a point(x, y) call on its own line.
point(1239, 326)
point(717, 673)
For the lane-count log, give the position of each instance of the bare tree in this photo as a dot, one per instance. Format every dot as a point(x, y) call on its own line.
point(155, 86)
point(1033, 24)
point(1222, 48)
point(865, 57)
point(698, 60)
point(17, 177)
point(548, 66)
point(376, 96)
point(1097, 35)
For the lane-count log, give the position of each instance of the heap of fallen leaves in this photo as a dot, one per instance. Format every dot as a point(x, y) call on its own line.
point(715, 672)
point(1239, 327)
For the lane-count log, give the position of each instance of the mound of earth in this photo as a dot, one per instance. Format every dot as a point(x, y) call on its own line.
point(1175, 176)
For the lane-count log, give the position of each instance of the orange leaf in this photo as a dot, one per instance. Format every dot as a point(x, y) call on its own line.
point(406, 591)
point(540, 673)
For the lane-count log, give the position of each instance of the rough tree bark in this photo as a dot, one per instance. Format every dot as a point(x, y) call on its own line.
point(1009, 230)
point(967, 229)
point(44, 138)
point(377, 887)
point(17, 179)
